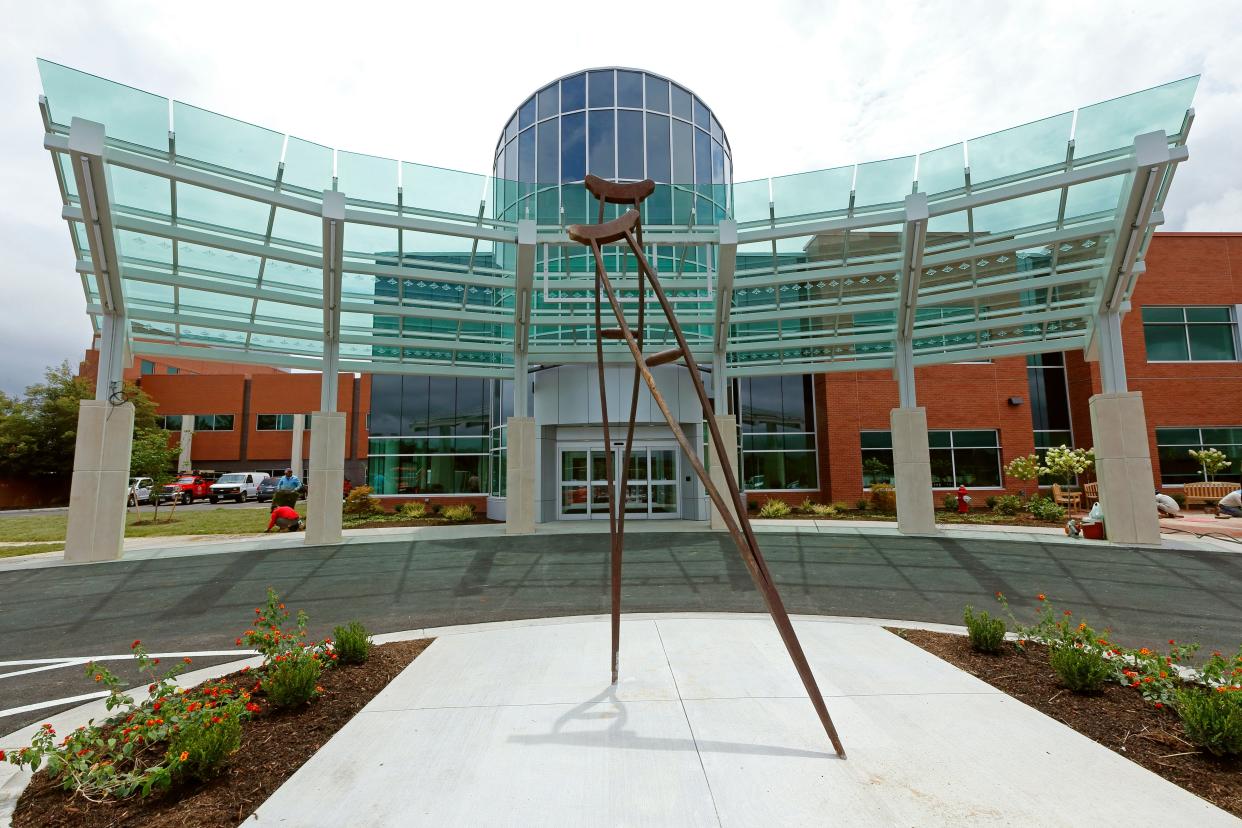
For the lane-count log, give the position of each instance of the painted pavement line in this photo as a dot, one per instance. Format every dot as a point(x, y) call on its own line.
point(27, 708)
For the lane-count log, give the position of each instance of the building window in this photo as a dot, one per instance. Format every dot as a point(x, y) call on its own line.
point(502, 410)
point(1190, 334)
point(168, 422)
point(173, 369)
point(1173, 446)
point(776, 417)
point(958, 458)
point(429, 435)
point(1050, 409)
point(147, 367)
point(213, 422)
point(274, 422)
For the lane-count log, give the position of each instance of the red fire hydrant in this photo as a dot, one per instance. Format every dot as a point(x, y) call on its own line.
point(963, 501)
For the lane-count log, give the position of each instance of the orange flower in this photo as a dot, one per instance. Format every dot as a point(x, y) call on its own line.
point(1042, 597)
point(282, 606)
point(252, 707)
point(318, 689)
point(186, 659)
point(98, 677)
point(185, 754)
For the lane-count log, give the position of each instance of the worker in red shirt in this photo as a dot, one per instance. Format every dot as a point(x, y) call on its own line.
point(285, 518)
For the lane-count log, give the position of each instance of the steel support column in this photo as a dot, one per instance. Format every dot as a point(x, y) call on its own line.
point(327, 443)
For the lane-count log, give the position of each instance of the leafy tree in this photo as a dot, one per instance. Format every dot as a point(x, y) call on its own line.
point(39, 429)
point(152, 457)
point(1024, 468)
point(1212, 460)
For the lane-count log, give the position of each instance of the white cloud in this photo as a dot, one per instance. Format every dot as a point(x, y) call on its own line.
point(797, 85)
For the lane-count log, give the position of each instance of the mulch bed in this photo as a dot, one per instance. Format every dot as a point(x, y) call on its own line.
point(273, 746)
point(1117, 718)
point(384, 524)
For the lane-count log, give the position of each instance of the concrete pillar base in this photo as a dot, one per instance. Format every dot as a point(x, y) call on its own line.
point(100, 487)
point(326, 479)
point(520, 489)
point(1123, 468)
point(727, 425)
point(916, 512)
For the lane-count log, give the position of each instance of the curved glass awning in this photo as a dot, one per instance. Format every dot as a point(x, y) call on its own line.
point(207, 236)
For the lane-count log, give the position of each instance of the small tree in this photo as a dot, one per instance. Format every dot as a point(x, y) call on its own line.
point(875, 471)
point(1062, 463)
point(152, 457)
point(1024, 468)
point(1212, 460)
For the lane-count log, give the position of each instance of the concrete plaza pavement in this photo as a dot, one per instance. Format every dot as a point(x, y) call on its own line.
point(708, 725)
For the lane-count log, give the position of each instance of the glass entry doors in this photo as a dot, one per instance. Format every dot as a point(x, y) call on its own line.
point(651, 490)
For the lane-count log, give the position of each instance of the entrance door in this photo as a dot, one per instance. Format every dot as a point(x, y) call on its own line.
point(651, 490)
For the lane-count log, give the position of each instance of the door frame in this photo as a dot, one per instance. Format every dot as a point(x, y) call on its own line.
point(618, 454)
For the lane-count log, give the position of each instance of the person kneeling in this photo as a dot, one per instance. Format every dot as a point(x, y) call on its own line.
point(285, 518)
point(1230, 505)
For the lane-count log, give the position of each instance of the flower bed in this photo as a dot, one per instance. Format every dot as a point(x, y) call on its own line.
point(1184, 724)
point(211, 754)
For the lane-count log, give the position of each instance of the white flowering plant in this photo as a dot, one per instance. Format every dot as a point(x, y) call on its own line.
point(1212, 460)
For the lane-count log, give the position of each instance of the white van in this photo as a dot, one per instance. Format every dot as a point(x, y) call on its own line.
point(139, 491)
point(237, 485)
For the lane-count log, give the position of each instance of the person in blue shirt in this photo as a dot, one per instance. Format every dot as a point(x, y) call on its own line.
point(288, 483)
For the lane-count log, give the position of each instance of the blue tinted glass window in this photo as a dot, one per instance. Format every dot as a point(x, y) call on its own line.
point(683, 153)
point(548, 102)
point(385, 404)
point(414, 400)
point(526, 114)
point(682, 105)
point(702, 157)
point(701, 115)
point(716, 131)
point(526, 156)
point(629, 89)
point(599, 88)
point(602, 161)
point(512, 129)
point(573, 93)
point(629, 145)
point(657, 94)
point(549, 153)
point(573, 147)
point(511, 161)
point(717, 164)
point(659, 155)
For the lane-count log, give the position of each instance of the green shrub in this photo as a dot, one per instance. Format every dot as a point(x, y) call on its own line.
point(884, 497)
point(360, 502)
point(1044, 508)
point(1081, 669)
point(458, 513)
point(817, 509)
point(206, 742)
point(1212, 718)
point(862, 504)
point(284, 497)
point(1007, 504)
point(414, 509)
point(986, 633)
point(290, 678)
point(352, 643)
point(774, 509)
point(990, 502)
point(950, 502)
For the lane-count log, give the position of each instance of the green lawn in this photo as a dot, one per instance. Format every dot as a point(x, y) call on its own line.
point(195, 521)
point(29, 549)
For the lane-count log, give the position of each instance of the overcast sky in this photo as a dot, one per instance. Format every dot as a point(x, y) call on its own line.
point(797, 86)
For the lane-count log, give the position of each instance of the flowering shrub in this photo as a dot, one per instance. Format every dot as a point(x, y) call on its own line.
point(291, 664)
point(353, 643)
point(774, 509)
point(1024, 468)
point(360, 502)
point(133, 752)
point(414, 509)
point(1063, 463)
point(1211, 459)
point(884, 497)
point(817, 509)
point(986, 633)
point(459, 513)
point(292, 678)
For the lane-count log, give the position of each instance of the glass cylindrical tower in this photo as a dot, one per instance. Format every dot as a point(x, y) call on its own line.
point(618, 124)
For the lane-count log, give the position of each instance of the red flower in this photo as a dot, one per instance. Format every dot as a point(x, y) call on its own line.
point(238, 642)
point(134, 646)
point(215, 720)
point(1159, 705)
point(48, 727)
point(1171, 641)
point(186, 659)
point(252, 707)
point(1, 755)
point(156, 661)
point(1042, 597)
point(1068, 613)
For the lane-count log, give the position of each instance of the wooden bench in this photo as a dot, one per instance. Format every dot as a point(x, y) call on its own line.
point(1091, 491)
point(1206, 494)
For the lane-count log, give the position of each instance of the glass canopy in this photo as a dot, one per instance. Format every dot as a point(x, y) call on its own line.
point(1006, 244)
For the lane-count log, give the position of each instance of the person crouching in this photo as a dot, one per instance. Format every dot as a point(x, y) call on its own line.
point(285, 518)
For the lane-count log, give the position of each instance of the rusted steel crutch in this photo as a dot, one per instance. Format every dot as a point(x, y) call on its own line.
point(624, 228)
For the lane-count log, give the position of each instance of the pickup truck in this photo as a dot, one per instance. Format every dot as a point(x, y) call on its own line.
point(238, 486)
point(186, 489)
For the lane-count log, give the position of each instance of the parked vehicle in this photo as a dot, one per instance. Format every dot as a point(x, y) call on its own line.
point(139, 490)
point(237, 485)
point(267, 488)
point(186, 489)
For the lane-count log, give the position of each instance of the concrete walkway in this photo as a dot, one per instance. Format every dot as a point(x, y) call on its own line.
point(709, 725)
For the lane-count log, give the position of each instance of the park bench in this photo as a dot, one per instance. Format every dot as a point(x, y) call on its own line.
point(1206, 494)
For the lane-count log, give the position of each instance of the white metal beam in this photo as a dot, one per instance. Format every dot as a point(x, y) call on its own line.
point(524, 288)
point(333, 249)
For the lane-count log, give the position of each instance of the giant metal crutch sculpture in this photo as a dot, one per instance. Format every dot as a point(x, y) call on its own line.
point(625, 228)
